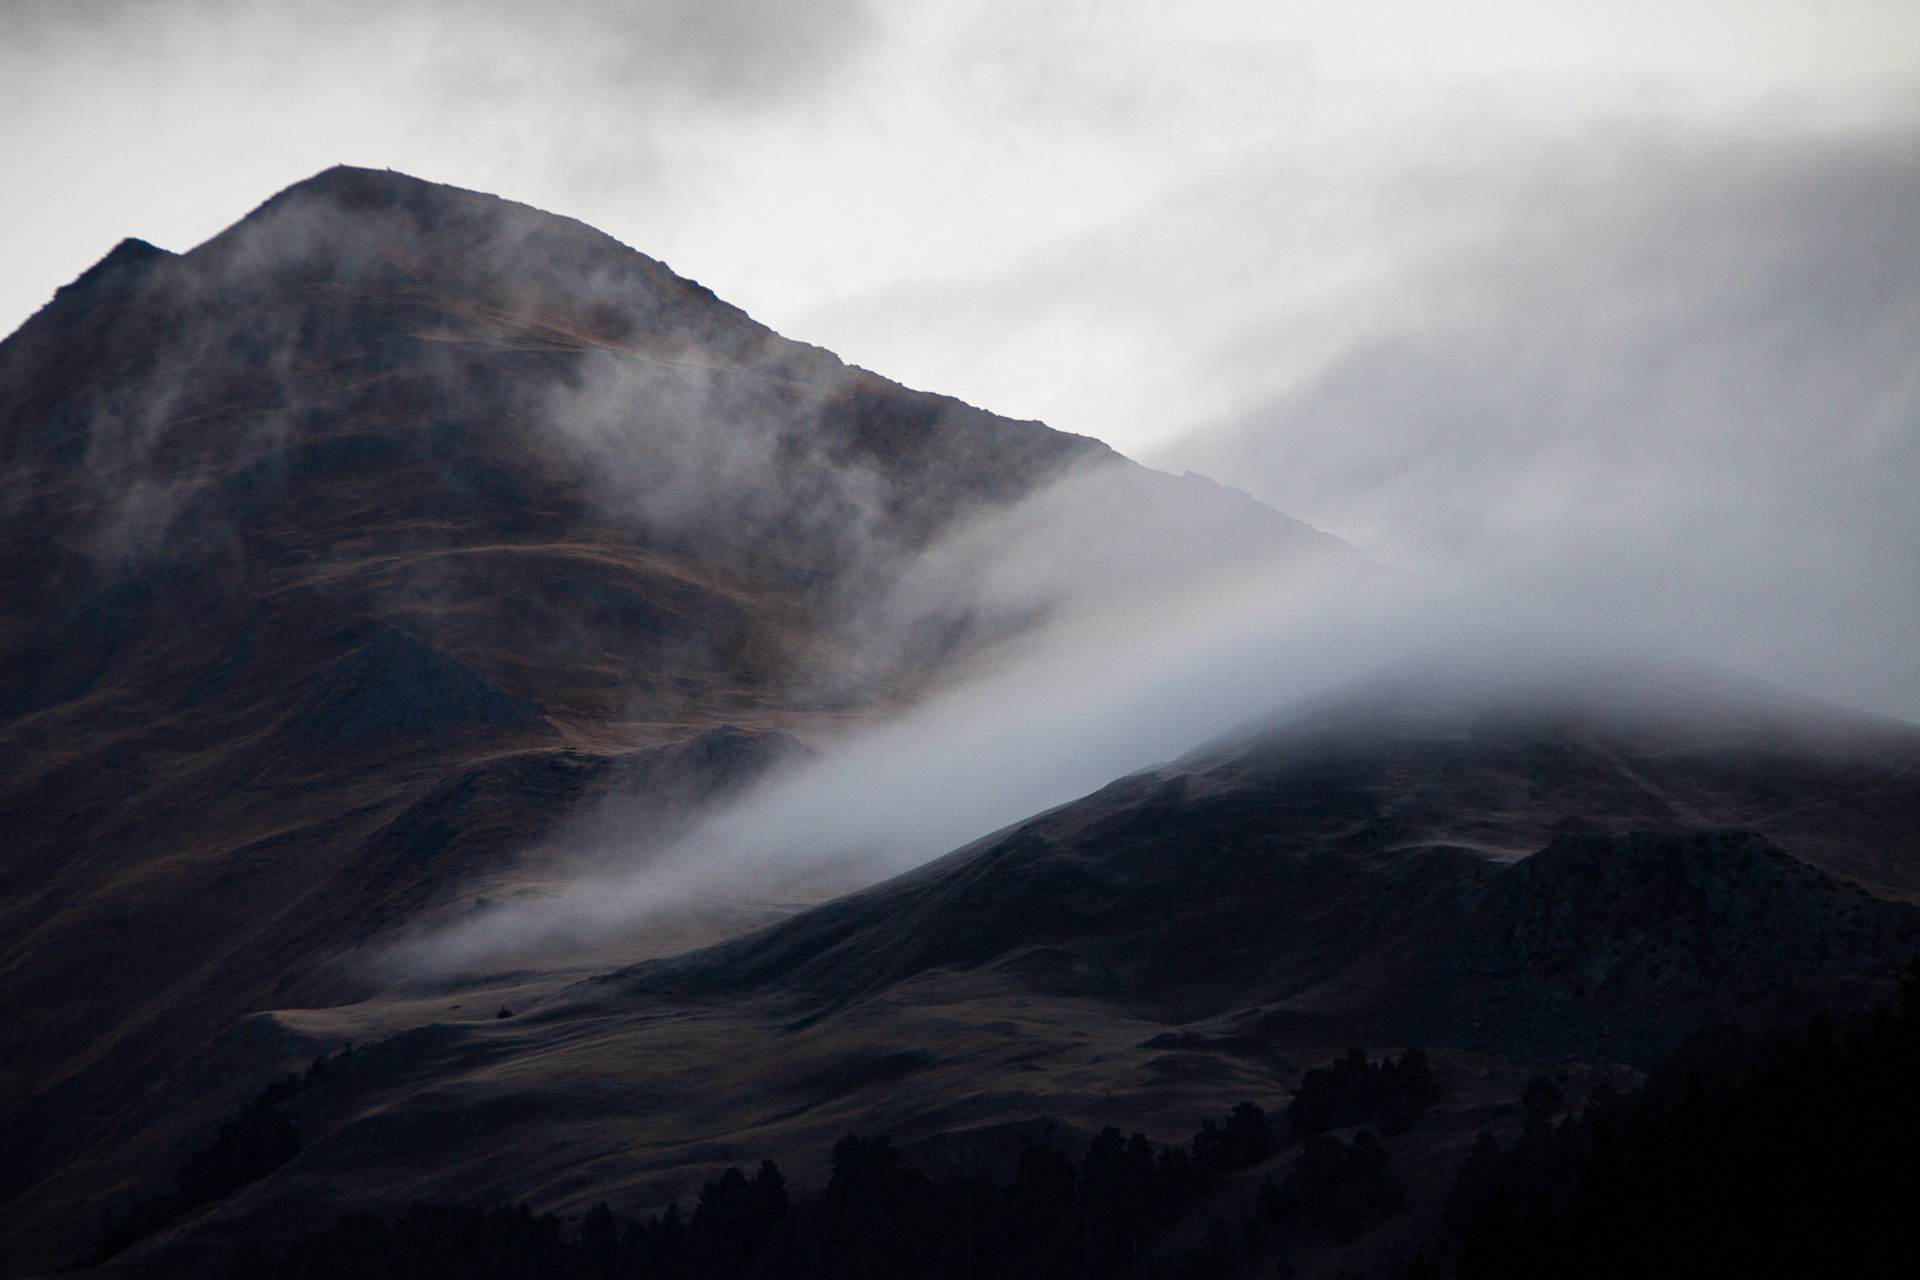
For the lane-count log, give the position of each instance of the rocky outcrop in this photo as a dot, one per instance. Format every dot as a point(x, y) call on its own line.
point(1625, 917)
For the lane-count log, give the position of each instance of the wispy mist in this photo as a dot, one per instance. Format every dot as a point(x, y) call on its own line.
point(1118, 682)
point(1111, 686)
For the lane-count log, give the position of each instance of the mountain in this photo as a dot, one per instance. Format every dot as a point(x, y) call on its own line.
point(352, 552)
point(1527, 875)
point(362, 557)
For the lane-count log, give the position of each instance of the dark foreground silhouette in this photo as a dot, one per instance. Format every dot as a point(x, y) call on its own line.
point(248, 1148)
point(1742, 1155)
point(1087, 1220)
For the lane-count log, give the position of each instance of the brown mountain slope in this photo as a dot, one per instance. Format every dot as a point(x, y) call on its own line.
point(389, 488)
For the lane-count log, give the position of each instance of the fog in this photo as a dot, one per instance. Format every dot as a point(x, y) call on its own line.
point(1098, 694)
point(1679, 382)
point(1127, 675)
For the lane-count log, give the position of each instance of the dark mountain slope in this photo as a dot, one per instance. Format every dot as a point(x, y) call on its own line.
point(395, 681)
point(388, 483)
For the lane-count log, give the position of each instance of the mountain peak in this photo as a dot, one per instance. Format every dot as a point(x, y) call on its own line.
point(393, 485)
point(105, 283)
point(424, 205)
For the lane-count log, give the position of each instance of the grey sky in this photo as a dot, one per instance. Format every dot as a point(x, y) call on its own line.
point(888, 181)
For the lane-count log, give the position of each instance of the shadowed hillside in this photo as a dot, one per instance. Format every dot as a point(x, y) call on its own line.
point(1322, 864)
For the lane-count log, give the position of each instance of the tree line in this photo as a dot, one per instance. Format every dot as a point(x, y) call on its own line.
point(1781, 1153)
point(1357, 1090)
point(877, 1217)
point(246, 1149)
point(1774, 1153)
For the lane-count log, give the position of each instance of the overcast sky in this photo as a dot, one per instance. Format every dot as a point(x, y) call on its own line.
point(1622, 293)
point(1059, 210)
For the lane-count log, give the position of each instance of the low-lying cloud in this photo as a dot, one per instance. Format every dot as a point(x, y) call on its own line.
point(1101, 693)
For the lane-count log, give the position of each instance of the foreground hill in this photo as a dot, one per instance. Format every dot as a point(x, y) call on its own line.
point(1564, 876)
point(352, 550)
